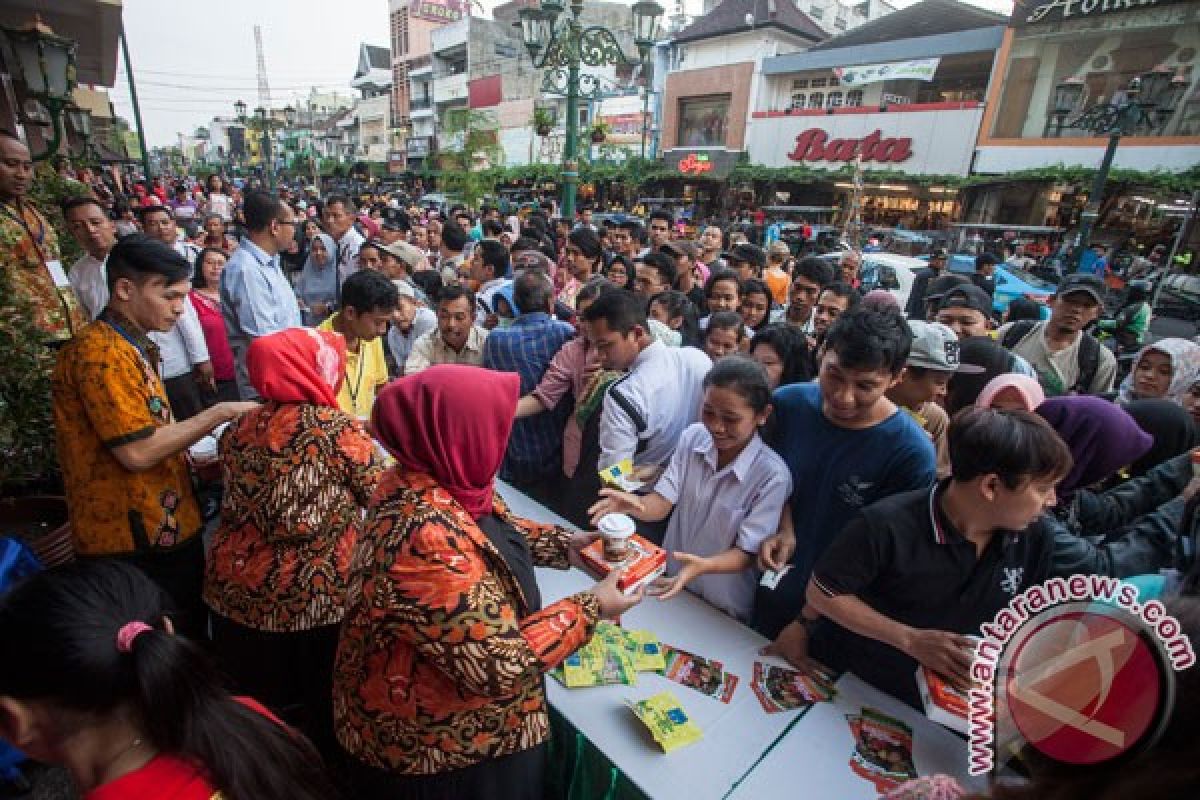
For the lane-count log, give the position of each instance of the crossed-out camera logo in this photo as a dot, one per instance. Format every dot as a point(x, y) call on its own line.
point(1076, 668)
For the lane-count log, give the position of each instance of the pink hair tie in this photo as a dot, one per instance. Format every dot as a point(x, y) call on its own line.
point(130, 631)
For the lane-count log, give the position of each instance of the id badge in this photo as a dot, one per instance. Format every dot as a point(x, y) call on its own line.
point(58, 273)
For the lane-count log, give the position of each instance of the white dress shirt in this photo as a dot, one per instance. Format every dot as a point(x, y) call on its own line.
point(183, 346)
point(347, 254)
point(664, 389)
point(89, 279)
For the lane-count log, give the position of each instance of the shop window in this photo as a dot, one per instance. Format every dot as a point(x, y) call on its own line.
point(816, 100)
point(854, 98)
point(797, 100)
point(800, 83)
point(834, 100)
point(1105, 57)
point(702, 121)
point(819, 82)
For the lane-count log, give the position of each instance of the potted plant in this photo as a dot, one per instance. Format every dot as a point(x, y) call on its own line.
point(542, 121)
point(598, 132)
point(33, 508)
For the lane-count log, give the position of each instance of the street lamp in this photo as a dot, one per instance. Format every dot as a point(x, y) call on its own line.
point(1151, 100)
point(559, 44)
point(80, 120)
point(45, 63)
point(240, 109)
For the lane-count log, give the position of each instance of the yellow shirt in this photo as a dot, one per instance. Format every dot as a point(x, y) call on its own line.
point(366, 371)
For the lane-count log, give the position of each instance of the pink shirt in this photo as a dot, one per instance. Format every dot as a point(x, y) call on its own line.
point(568, 372)
point(212, 323)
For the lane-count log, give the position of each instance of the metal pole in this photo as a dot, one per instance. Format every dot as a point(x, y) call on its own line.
point(570, 171)
point(1092, 211)
point(133, 99)
point(645, 111)
point(1181, 236)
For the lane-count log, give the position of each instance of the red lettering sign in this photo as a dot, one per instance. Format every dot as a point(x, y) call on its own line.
point(814, 144)
point(692, 164)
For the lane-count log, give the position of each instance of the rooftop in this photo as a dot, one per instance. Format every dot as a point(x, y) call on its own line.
point(927, 18)
point(730, 17)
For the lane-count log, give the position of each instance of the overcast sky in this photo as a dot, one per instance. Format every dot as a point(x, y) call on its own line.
point(194, 65)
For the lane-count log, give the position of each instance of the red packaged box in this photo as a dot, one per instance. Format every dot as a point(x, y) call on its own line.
point(645, 562)
point(943, 703)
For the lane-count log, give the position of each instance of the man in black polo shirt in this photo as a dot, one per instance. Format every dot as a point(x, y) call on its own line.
point(912, 574)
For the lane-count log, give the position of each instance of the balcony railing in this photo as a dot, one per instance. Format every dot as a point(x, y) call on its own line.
point(420, 103)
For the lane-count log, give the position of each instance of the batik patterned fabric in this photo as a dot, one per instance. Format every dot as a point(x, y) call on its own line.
point(107, 393)
point(297, 477)
point(440, 661)
point(27, 244)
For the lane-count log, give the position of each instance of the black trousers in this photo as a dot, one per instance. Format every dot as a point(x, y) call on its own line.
point(184, 395)
point(513, 777)
point(180, 573)
point(290, 673)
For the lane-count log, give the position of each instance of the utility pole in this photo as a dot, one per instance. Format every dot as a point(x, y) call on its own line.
point(133, 99)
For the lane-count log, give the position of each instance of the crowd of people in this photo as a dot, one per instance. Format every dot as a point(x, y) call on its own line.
point(369, 372)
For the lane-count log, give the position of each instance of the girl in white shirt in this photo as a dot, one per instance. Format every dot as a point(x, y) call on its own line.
point(727, 489)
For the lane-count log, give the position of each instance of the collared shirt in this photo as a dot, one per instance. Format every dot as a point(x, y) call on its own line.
point(366, 371)
point(659, 397)
point(526, 347)
point(717, 509)
point(401, 344)
point(107, 394)
point(182, 347)
point(432, 349)
point(257, 299)
point(29, 253)
point(89, 279)
point(904, 559)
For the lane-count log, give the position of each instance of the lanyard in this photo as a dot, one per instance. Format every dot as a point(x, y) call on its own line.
point(129, 338)
point(353, 388)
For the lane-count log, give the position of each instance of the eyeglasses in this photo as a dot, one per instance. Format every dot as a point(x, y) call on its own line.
point(291, 222)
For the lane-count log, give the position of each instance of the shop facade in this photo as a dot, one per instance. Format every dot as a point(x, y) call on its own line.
point(1101, 47)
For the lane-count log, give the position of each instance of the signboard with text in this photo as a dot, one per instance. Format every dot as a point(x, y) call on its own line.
point(939, 142)
point(1032, 12)
point(438, 10)
point(917, 69)
point(715, 162)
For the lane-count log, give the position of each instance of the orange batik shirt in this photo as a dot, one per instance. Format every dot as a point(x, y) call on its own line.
point(107, 393)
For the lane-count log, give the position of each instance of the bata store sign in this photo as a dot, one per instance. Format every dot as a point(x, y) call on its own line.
point(927, 142)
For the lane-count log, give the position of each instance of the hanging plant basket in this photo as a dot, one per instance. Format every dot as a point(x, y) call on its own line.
point(597, 137)
point(543, 130)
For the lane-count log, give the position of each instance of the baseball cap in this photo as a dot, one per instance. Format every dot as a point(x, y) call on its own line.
point(967, 296)
point(944, 283)
point(403, 251)
point(750, 253)
point(394, 219)
point(779, 249)
point(1080, 282)
point(935, 346)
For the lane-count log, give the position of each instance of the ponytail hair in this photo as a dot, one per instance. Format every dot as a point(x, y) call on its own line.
point(60, 632)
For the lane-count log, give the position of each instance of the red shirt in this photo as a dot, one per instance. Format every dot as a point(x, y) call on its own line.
point(212, 322)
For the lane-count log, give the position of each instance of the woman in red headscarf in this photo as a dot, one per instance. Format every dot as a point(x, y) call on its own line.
point(298, 473)
point(438, 688)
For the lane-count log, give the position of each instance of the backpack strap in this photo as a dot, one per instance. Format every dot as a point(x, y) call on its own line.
point(1019, 330)
point(1089, 363)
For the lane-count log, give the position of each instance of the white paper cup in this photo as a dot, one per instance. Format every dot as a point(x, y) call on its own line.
point(617, 529)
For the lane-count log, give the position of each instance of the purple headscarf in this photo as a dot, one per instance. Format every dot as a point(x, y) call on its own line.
point(1101, 436)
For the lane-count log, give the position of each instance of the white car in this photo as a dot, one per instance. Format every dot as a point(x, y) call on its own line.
point(890, 271)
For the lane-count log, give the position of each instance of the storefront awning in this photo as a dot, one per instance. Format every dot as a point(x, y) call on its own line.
point(979, 40)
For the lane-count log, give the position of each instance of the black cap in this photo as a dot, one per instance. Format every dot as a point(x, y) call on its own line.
point(967, 296)
point(395, 219)
point(1082, 282)
point(944, 283)
point(750, 253)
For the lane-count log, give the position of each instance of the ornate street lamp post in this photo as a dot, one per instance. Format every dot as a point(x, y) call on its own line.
point(266, 125)
point(45, 65)
point(559, 44)
point(1151, 101)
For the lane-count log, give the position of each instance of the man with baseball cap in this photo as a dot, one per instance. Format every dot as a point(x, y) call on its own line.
point(1068, 360)
point(399, 259)
point(395, 227)
point(967, 310)
point(932, 360)
point(747, 260)
point(920, 287)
